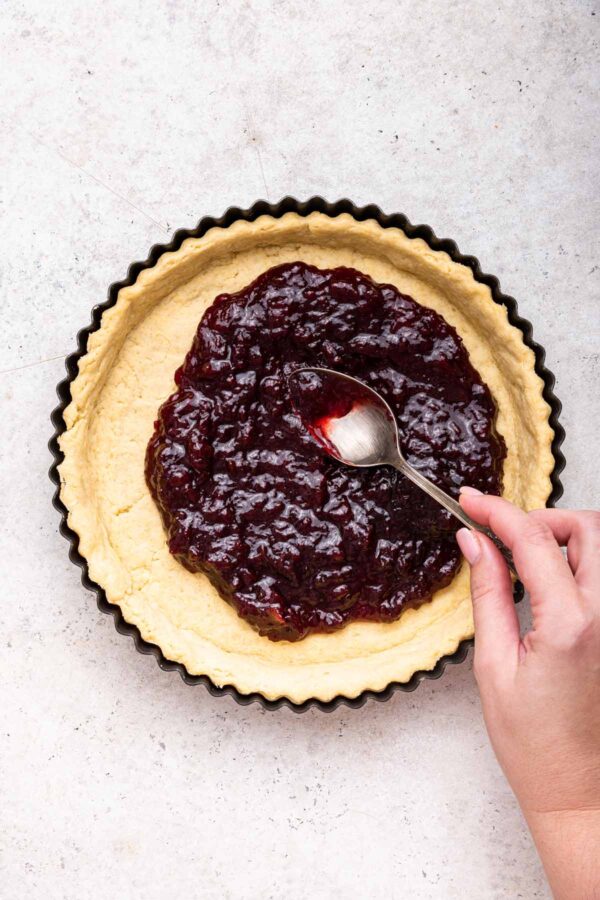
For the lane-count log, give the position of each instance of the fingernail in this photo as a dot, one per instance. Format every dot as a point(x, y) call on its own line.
point(465, 489)
point(469, 544)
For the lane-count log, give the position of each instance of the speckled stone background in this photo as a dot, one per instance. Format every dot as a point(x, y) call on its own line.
point(122, 121)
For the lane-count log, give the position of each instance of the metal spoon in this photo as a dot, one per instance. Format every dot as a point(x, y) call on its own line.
point(368, 436)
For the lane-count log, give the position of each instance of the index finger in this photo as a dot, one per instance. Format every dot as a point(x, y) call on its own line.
point(539, 561)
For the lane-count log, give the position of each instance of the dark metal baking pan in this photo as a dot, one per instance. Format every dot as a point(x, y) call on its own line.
point(303, 208)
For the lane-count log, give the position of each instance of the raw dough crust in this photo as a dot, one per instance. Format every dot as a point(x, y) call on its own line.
point(127, 373)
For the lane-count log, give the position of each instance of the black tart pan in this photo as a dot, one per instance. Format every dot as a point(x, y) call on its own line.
point(303, 208)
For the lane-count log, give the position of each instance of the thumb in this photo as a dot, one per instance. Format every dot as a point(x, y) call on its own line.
point(494, 613)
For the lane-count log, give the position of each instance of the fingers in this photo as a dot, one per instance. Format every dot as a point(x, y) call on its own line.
point(579, 531)
point(494, 613)
point(539, 561)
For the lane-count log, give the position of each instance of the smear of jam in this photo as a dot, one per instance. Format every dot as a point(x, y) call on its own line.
point(295, 541)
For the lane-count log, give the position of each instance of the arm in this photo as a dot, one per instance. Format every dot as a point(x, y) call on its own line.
point(541, 694)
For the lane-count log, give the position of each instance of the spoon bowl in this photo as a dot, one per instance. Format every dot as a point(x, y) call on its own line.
point(363, 437)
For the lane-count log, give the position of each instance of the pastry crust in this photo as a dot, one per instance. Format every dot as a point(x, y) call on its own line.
point(127, 373)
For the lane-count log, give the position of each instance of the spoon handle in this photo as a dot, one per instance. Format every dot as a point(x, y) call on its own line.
point(455, 508)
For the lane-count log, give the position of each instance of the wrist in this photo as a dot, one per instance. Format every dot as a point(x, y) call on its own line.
point(568, 842)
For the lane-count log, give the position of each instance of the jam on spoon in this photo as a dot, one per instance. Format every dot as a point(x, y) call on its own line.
point(322, 398)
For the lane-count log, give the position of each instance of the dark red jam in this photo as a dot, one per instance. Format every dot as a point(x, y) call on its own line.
point(295, 541)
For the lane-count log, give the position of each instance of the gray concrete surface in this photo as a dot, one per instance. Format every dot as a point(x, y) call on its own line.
point(122, 121)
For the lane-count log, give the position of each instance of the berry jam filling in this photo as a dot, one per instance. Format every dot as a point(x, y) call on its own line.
point(297, 542)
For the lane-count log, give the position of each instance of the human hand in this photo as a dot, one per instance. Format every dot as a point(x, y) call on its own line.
point(541, 694)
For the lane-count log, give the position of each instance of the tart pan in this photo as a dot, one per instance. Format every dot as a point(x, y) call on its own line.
point(302, 208)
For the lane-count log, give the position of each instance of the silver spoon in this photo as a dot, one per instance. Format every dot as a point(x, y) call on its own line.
point(368, 436)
